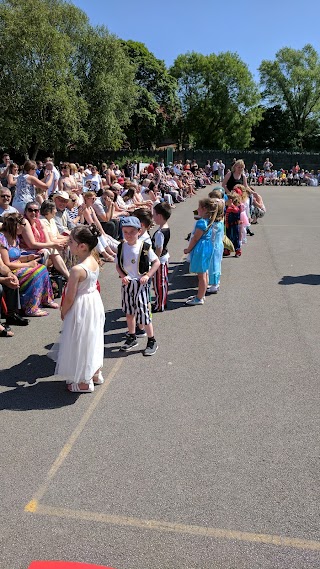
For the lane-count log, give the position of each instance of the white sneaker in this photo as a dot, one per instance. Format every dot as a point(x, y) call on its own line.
point(195, 301)
point(213, 289)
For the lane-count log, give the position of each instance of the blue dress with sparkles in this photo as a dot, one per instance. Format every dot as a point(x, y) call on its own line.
point(200, 255)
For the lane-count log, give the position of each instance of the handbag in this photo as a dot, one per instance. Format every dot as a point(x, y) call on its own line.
point(227, 243)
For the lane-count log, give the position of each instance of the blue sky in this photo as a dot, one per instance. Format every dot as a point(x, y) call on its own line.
point(255, 30)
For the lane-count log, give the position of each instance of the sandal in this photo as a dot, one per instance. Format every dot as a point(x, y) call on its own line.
point(5, 333)
point(39, 313)
point(99, 379)
point(74, 388)
point(52, 305)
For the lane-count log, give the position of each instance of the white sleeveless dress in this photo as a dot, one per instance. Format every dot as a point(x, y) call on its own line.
point(81, 346)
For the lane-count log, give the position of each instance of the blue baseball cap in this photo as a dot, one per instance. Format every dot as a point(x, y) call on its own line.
point(131, 221)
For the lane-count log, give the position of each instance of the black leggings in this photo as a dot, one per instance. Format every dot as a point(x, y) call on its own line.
point(111, 227)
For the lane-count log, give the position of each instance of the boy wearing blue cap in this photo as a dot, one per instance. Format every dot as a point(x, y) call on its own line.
point(136, 263)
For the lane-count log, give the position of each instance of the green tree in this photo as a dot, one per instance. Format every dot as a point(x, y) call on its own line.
point(292, 81)
point(108, 87)
point(42, 106)
point(219, 99)
point(274, 130)
point(157, 98)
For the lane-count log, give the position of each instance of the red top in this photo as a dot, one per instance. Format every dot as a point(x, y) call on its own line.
point(64, 565)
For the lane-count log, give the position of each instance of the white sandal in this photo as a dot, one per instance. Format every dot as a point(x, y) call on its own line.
point(74, 388)
point(99, 379)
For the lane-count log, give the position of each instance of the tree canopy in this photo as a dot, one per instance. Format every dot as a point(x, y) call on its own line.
point(219, 99)
point(292, 81)
point(65, 83)
point(42, 105)
point(157, 97)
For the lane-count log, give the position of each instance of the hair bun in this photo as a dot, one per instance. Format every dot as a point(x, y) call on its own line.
point(94, 230)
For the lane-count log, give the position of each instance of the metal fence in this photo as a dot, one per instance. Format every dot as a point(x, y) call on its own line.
point(308, 161)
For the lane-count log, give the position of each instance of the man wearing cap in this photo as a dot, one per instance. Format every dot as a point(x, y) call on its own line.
point(63, 221)
point(136, 264)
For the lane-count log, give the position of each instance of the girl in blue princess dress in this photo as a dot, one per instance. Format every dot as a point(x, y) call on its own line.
point(214, 272)
point(200, 247)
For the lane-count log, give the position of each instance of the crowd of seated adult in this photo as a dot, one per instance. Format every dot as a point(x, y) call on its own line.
point(268, 175)
point(41, 203)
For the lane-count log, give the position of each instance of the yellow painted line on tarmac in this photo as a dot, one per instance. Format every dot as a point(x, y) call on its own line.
point(32, 506)
point(167, 527)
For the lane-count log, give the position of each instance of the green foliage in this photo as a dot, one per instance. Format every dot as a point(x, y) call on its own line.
point(219, 100)
point(157, 97)
point(42, 105)
point(131, 157)
point(107, 82)
point(292, 81)
point(67, 84)
point(274, 131)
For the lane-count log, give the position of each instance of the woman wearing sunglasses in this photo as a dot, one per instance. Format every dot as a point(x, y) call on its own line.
point(34, 281)
point(35, 239)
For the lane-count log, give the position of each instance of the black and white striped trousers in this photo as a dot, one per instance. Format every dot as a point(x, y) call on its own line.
point(135, 301)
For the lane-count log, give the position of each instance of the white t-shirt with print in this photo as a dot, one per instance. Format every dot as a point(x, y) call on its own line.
point(130, 256)
point(159, 242)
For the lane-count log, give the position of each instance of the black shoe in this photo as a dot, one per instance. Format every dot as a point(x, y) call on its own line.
point(139, 333)
point(151, 348)
point(17, 320)
point(250, 233)
point(6, 326)
point(130, 343)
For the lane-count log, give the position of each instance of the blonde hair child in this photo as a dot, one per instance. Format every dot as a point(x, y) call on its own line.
point(201, 248)
point(214, 272)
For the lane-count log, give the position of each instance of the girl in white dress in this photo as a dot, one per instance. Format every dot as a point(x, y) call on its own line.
point(81, 348)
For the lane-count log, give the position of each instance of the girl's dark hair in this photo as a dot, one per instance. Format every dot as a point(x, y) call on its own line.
point(10, 224)
point(47, 207)
point(87, 234)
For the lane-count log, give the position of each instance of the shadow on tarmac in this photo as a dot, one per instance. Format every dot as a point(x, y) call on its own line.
point(182, 285)
point(28, 391)
point(302, 279)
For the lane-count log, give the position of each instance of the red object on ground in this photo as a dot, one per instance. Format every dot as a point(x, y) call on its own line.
point(3, 307)
point(64, 565)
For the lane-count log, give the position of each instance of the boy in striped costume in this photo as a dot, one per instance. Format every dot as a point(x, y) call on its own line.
point(160, 240)
point(133, 265)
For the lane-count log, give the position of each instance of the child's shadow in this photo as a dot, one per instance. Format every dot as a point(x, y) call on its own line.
point(302, 279)
point(181, 286)
point(30, 388)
